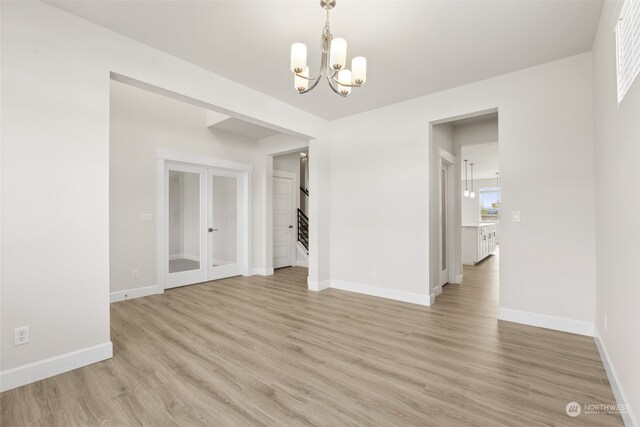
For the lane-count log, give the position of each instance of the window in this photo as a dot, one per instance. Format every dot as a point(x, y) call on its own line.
point(490, 204)
point(628, 45)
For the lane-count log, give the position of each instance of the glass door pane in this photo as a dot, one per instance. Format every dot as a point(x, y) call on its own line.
point(223, 228)
point(184, 221)
point(184, 227)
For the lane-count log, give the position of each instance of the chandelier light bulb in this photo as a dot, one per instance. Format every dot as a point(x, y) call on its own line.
point(301, 83)
point(359, 70)
point(473, 195)
point(338, 57)
point(466, 193)
point(344, 77)
point(298, 57)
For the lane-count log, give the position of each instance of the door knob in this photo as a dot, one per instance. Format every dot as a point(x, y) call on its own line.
point(291, 226)
point(212, 230)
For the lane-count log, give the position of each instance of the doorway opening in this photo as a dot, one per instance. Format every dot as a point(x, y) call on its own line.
point(218, 191)
point(466, 199)
point(290, 204)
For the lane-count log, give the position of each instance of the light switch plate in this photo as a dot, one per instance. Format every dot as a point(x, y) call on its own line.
point(515, 216)
point(146, 217)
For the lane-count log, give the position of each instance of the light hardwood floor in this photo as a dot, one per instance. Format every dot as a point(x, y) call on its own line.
point(265, 351)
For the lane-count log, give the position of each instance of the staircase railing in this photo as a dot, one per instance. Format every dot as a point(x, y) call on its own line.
point(303, 229)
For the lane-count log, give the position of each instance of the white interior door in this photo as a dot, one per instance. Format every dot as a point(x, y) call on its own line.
point(224, 230)
point(283, 219)
point(185, 252)
point(444, 225)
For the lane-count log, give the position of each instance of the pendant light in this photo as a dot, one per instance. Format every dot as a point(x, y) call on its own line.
point(466, 180)
point(473, 193)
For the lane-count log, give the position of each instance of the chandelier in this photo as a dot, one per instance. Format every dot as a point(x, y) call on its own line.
point(332, 63)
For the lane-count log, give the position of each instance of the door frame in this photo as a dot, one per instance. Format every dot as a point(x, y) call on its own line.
point(244, 174)
point(433, 161)
point(270, 153)
point(295, 202)
point(448, 159)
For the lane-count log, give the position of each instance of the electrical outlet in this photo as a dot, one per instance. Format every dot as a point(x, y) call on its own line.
point(21, 335)
point(376, 272)
point(146, 217)
point(515, 216)
point(606, 322)
point(135, 273)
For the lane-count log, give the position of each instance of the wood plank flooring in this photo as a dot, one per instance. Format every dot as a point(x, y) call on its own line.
point(266, 351)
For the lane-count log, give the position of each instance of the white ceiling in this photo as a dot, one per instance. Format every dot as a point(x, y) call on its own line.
point(485, 160)
point(413, 47)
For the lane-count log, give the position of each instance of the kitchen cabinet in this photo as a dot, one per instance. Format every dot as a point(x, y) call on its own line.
point(478, 242)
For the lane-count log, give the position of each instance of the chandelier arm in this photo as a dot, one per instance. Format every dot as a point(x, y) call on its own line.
point(345, 85)
point(323, 64)
point(315, 83)
point(309, 78)
point(333, 88)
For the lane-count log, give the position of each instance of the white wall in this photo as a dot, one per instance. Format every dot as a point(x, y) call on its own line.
point(481, 132)
point(321, 203)
point(55, 159)
point(288, 162)
point(380, 189)
point(617, 143)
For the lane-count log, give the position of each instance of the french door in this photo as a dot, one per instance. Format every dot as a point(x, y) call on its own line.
point(204, 228)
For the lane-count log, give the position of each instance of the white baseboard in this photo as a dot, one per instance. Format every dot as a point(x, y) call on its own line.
point(318, 286)
point(261, 271)
point(545, 321)
point(432, 299)
point(133, 293)
point(628, 416)
point(432, 296)
point(459, 278)
point(421, 299)
point(300, 263)
point(32, 372)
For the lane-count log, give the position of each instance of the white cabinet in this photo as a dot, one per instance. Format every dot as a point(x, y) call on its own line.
point(478, 242)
